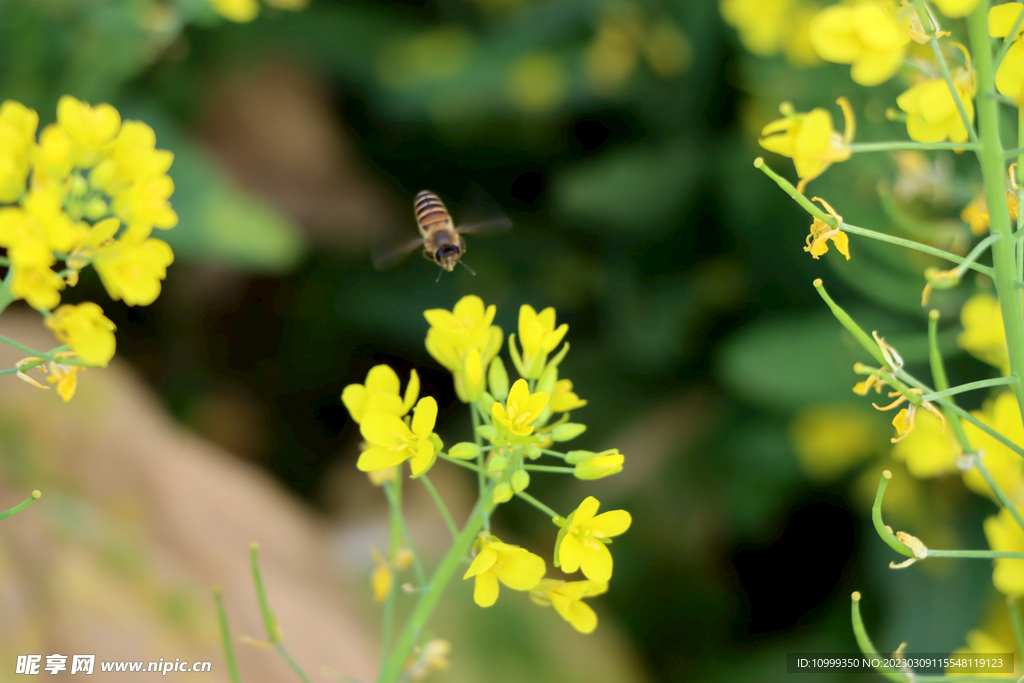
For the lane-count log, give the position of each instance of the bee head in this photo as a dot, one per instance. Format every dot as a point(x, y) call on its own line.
point(448, 256)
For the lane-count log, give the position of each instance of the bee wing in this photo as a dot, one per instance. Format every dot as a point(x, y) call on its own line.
point(487, 226)
point(390, 256)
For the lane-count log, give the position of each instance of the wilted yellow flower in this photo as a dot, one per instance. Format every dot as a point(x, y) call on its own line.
point(983, 336)
point(131, 270)
point(932, 115)
point(380, 393)
point(928, 452)
point(567, 599)
point(1006, 467)
point(90, 129)
point(810, 139)
point(1010, 74)
point(84, 327)
point(867, 35)
point(66, 379)
point(513, 566)
point(822, 232)
point(392, 442)
point(520, 409)
point(453, 333)
point(581, 542)
point(1004, 534)
point(829, 440)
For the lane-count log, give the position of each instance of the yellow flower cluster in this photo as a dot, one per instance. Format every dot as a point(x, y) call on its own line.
point(767, 27)
point(88, 191)
point(243, 11)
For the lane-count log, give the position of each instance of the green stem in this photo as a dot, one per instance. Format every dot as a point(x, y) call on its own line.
point(972, 257)
point(942, 381)
point(923, 15)
point(225, 638)
point(867, 648)
point(900, 145)
point(537, 504)
point(6, 298)
point(970, 386)
point(554, 453)
point(389, 490)
point(992, 170)
point(547, 468)
point(391, 670)
point(1003, 500)
point(449, 522)
point(460, 463)
point(1011, 153)
point(292, 663)
point(1013, 607)
point(977, 554)
point(21, 506)
point(862, 337)
point(876, 518)
point(269, 621)
point(23, 348)
point(394, 543)
point(480, 479)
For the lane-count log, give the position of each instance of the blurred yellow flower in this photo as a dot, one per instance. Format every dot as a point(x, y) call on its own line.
point(453, 333)
point(90, 129)
point(867, 35)
point(809, 139)
point(66, 379)
point(433, 656)
point(17, 132)
point(1004, 534)
point(1010, 74)
point(763, 24)
point(538, 337)
point(667, 50)
point(392, 442)
point(495, 561)
point(932, 115)
point(536, 83)
point(381, 577)
point(31, 276)
point(956, 9)
point(829, 440)
point(237, 10)
point(1005, 466)
point(520, 409)
point(52, 158)
point(983, 335)
point(131, 271)
point(86, 330)
point(928, 452)
point(567, 599)
point(581, 542)
point(975, 214)
point(563, 399)
point(380, 393)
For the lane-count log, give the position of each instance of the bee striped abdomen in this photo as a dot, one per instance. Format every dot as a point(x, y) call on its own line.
point(430, 210)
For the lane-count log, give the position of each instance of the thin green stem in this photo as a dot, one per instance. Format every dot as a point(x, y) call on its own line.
point(862, 337)
point(269, 621)
point(867, 648)
point(225, 638)
point(480, 479)
point(6, 298)
point(449, 522)
point(970, 386)
point(421, 576)
point(554, 453)
point(1019, 248)
point(292, 663)
point(1003, 500)
point(24, 349)
point(537, 504)
point(977, 554)
point(1011, 153)
point(993, 172)
point(33, 497)
point(394, 543)
point(391, 671)
point(461, 463)
point(1013, 607)
point(942, 381)
point(926, 21)
point(974, 254)
point(548, 468)
point(876, 518)
point(908, 145)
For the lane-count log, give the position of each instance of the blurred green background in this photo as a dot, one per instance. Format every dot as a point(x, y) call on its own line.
point(619, 137)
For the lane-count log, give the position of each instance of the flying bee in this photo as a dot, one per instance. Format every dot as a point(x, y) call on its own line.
point(442, 242)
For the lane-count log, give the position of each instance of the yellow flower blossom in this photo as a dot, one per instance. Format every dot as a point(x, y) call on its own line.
point(454, 333)
point(89, 128)
point(809, 139)
point(567, 599)
point(17, 132)
point(520, 409)
point(563, 399)
point(538, 337)
point(513, 566)
point(868, 35)
point(1010, 74)
point(145, 206)
point(975, 214)
point(582, 538)
point(52, 158)
point(380, 393)
point(31, 278)
point(829, 440)
point(589, 466)
point(763, 24)
point(40, 218)
point(133, 158)
point(392, 442)
point(983, 335)
point(240, 11)
point(1005, 466)
point(956, 9)
point(1004, 534)
point(131, 270)
point(928, 452)
point(381, 577)
point(84, 327)
point(932, 115)
point(822, 232)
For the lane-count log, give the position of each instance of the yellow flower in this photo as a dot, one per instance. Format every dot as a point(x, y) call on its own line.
point(513, 566)
point(763, 24)
point(392, 442)
point(380, 394)
point(1010, 74)
point(537, 82)
point(66, 379)
point(567, 599)
point(145, 206)
point(240, 11)
point(822, 232)
point(90, 129)
point(932, 115)
point(133, 158)
point(131, 271)
point(52, 158)
point(956, 9)
point(1005, 466)
point(17, 134)
point(31, 277)
point(829, 440)
point(928, 452)
point(563, 399)
point(867, 35)
point(809, 139)
point(520, 409)
point(538, 337)
point(1004, 534)
point(381, 577)
point(41, 218)
point(84, 327)
point(978, 643)
point(983, 335)
point(589, 466)
point(975, 214)
point(581, 540)
point(454, 333)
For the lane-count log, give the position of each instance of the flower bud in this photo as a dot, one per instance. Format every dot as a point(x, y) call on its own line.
point(488, 432)
point(79, 186)
point(532, 451)
point(547, 380)
point(497, 379)
point(96, 209)
point(599, 466)
point(485, 402)
point(567, 431)
point(502, 493)
point(464, 451)
point(520, 480)
point(497, 463)
point(573, 457)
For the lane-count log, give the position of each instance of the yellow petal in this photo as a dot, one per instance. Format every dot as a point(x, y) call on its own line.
point(382, 378)
point(595, 561)
point(482, 562)
point(611, 523)
point(569, 554)
point(1001, 19)
point(412, 392)
point(424, 458)
point(833, 35)
point(379, 458)
point(485, 592)
point(424, 417)
point(586, 511)
point(877, 66)
point(380, 428)
point(521, 570)
point(581, 616)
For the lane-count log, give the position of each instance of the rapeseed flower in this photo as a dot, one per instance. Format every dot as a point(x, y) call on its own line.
point(932, 115)
point(1004, 534)
point(822, 232)
point(567, 599)
point(380, 393)
point(86, 330)
point(520, 409)
point(17, 132)
point(905, 421)
point(1005, 466)
point(431, 657)
point(983, 336)
point(589, 466)
point(89, 129)
point(381, 577)
point(809, 139)
point(1010, 74)
point(31, 277)
point(956, 9)
point(66, 379)
point(495, 561)
point(538, 337)
point(869, 36)
point(563, 399)
point(582, 539)
point(453, 334)
point(929, 451)
point(392, 442)
point(244, 11)
point(131, 270)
